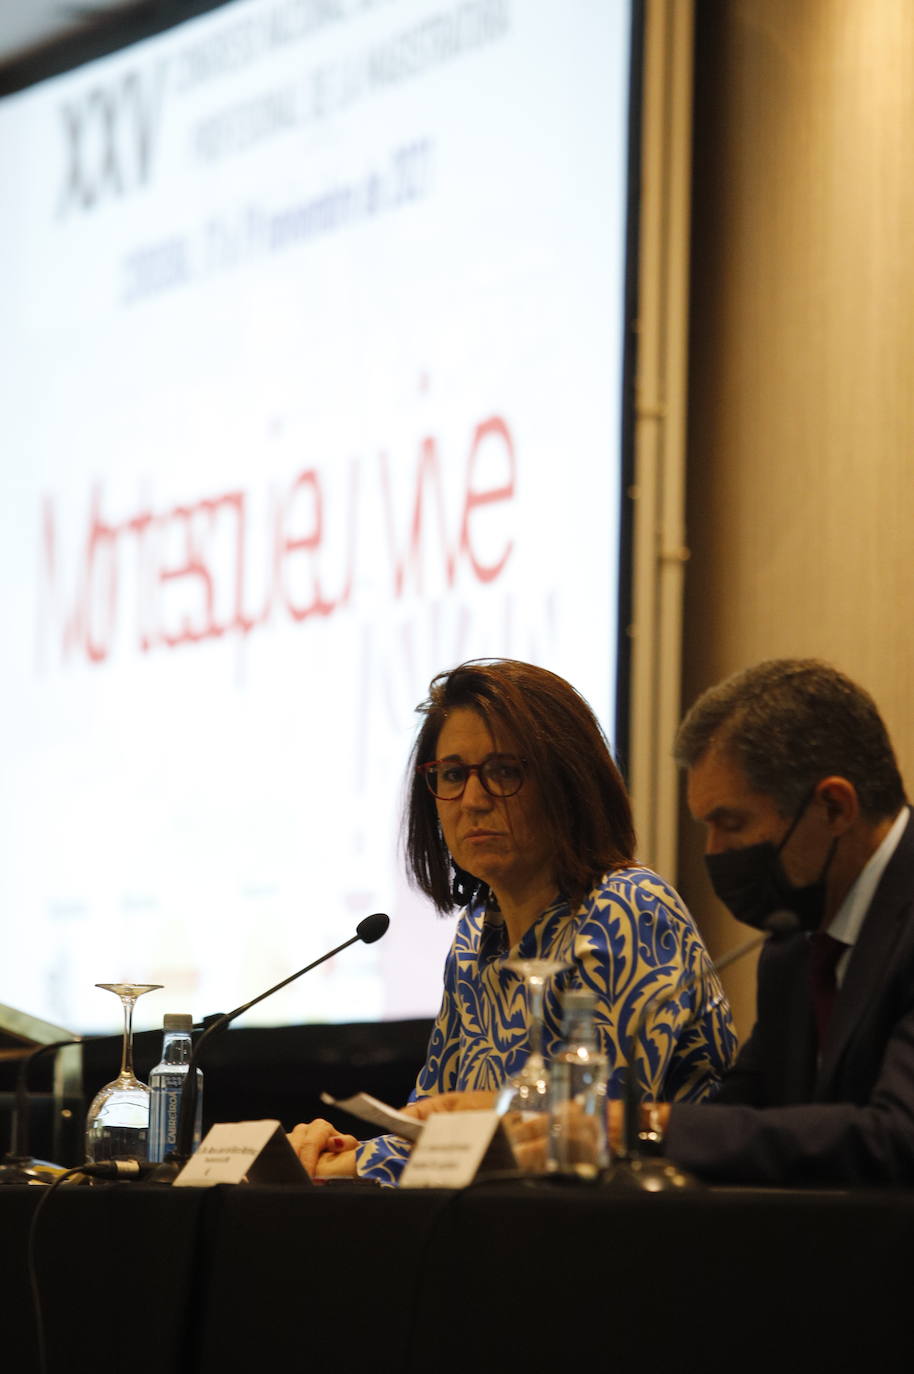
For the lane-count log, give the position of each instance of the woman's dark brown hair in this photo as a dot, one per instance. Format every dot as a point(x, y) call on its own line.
point(585, 804)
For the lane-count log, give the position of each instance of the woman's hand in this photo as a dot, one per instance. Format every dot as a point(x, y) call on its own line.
point(323, 1150)
point(476, 1101)
point(529, 1137)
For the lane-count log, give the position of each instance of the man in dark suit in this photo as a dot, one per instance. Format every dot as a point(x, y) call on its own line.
point(791, 771)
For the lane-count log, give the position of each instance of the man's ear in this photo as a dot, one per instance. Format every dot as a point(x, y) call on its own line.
point(838, 797)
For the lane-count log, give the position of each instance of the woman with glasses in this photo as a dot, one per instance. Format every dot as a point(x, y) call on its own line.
point(518, 815)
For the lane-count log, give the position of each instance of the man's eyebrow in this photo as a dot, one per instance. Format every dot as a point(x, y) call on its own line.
point(722, 813)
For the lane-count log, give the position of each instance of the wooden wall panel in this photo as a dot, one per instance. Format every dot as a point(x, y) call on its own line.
point(800, 513)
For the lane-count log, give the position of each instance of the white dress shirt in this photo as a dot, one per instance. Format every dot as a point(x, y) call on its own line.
point(850, 915)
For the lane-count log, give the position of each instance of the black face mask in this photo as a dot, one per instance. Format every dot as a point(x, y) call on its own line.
point(752, 884)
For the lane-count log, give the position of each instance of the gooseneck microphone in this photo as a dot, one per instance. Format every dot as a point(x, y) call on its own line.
point(18, 1165)
point(662, 1174)
point(368, 931)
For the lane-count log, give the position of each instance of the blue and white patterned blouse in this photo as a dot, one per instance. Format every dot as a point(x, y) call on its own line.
point(630, 941)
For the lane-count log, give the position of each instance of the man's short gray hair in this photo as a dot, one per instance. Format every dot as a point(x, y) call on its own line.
point(789, 722)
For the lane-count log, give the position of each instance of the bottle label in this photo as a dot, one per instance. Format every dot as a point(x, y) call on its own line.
point(166, 1090)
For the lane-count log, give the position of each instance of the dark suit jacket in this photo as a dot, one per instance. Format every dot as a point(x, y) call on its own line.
point(780, 1118)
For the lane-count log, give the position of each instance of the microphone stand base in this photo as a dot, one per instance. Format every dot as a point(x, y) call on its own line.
point(167, 1171)
point(23, 1170)
point(649, 1174)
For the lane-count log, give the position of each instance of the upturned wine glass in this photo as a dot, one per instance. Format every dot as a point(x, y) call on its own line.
point(527, 1093)
point(117, 1124)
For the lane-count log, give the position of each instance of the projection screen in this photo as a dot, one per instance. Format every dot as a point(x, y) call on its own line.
point(312, 349)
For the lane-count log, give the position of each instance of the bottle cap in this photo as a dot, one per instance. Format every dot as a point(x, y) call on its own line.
point(182, 1021)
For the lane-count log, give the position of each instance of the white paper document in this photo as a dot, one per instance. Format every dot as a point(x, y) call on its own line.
point(368, 1108)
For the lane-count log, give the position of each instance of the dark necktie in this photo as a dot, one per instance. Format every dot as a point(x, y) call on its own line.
point(824, 953)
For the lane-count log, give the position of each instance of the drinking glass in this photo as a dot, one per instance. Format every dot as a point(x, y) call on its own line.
point(525, 1097)
point(117, 1124)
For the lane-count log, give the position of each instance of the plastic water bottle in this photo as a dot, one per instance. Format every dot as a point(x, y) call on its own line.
point(166, 1083)
point(578, 1141)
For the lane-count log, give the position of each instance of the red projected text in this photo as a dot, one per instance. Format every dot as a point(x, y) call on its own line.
point(229, 563)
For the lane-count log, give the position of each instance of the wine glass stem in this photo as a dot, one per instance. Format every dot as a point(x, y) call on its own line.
point(536, 986)
point(127, 1050)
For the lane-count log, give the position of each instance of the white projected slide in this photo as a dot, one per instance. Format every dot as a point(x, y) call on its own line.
point(311, 347)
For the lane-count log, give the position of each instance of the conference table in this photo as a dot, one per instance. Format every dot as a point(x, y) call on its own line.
point(502, 1275)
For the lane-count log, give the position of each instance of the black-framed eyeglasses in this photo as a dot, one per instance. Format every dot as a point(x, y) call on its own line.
point(500, 774)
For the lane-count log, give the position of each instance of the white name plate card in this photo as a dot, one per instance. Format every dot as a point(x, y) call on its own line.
point(243, 1152)
point(454, 1146)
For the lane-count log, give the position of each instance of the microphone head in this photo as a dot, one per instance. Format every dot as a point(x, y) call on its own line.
point(778, 924)
point(373, 927)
